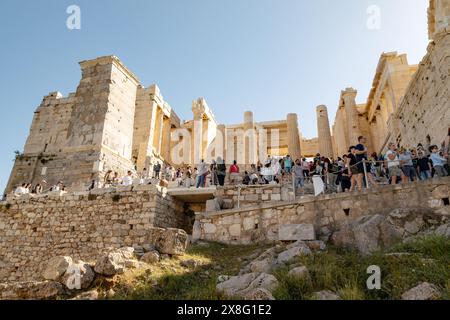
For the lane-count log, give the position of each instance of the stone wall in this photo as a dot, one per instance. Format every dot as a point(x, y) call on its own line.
point(248, 196)
point(81, 225)
point(261, 223)
point(424, 114)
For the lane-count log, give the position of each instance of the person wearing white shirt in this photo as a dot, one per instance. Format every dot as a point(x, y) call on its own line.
point(128, 179)
point(393, 163)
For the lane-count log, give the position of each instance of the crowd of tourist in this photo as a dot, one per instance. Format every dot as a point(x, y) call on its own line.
point(353, 171)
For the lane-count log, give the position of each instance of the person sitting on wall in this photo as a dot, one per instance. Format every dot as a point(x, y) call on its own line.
point(246, 180)
point(20, 190)
point(234, 172)
point(127, 180)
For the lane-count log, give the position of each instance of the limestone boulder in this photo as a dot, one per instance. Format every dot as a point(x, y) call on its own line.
point(189, 264)
point(56, 268)
point(443, 230)
point(88, 295)
point(325, 295)
point(31, 290)
point(367, 234)
point(114, 262)
point(168, 241)
point(259, 294)
point(79, 276)
point(151, 257)
point(299, 272)
point(292, 253)
point(264, 262)
point(240, 286)
point(373, 233)
point(424, 291)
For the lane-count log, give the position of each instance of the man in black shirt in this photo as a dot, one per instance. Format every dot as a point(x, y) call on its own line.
point(423, 166)
point(361, 154)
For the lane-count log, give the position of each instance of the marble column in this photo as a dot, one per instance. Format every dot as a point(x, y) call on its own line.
point(166, 140)
point(353, 129)
point(293, 136)
point(157, 133)
point(323, 128)
point(220, 141)
point(197, 138)
point(250, 139)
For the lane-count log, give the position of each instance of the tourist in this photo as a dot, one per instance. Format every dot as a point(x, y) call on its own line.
point(361, 156)
point(277, 170)
point(214, 173)
point(267, 173)
point(108, 179)
point(305, 167)
point(221, 171)
point(353, 168)
point(393, 163)
point(234, 172)
point(446, 148)
point(345, 180)
point(424, 166)
point(298, 176)
point(332, 173)
point(439, 161)
point(407, 165)
point(127, 180)
point(288, 165)
point(202, 173)
point(92, 185)
point(20, 190)
point(116, 179)
point(187, 177)
point(143, 176)
point(156, 170)
point(246, 179)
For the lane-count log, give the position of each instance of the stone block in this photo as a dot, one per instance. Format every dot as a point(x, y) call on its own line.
point(294, 232)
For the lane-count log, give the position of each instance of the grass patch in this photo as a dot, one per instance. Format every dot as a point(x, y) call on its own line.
point(169, 280)
point(343, 272)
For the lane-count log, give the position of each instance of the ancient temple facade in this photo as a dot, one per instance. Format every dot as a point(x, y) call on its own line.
point(408, 104)
point(112, 122)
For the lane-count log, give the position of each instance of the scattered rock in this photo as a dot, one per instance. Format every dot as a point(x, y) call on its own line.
point(299, 272)
point(260, 294)
point(88, 295)
point(240, 286)
point(56, 268)
point(114, 262)
point(424, 291)
point(151, 257)
point(31, 290)
point(443, 230)
point(78, 276)
point(222, 278)
point(292, 253)
point(189, 264)
point(316, 245)
point(169, 241)
point(148, 247)
point(325, 295)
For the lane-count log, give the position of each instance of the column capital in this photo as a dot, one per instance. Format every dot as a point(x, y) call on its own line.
point(349, 92)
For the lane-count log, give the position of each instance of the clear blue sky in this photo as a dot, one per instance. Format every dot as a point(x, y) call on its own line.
point(270, 56)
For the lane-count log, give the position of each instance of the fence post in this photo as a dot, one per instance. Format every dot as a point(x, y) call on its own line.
point(365, 174)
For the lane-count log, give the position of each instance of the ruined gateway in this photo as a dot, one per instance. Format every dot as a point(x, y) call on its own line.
point(113, 122)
